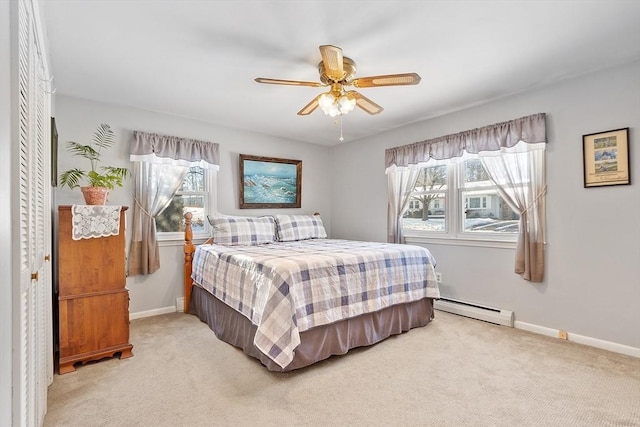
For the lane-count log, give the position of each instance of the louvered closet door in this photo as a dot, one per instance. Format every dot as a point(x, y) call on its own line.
point(40, 208)
point(35, 337)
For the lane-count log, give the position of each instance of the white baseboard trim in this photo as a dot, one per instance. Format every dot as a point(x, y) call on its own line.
point(150, 313)
point(580, 339)
point(179, 307)
point(550, 332)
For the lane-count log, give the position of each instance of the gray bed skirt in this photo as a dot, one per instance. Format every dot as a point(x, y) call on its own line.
point(318, 343)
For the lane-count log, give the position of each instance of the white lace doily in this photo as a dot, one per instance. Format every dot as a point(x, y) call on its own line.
point(95, 221)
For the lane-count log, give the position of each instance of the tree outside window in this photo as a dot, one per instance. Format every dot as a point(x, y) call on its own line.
point(191, 197)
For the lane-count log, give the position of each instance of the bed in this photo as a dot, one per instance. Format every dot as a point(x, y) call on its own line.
point(279, 289)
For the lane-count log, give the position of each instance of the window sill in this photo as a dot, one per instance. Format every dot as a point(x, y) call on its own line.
point(459, 241)
point(179, 241)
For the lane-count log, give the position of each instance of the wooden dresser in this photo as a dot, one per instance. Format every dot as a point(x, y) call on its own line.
point(93, 303)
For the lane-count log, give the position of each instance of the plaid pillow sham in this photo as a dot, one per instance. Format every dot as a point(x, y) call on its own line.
point(243, 231)
point(299, 227)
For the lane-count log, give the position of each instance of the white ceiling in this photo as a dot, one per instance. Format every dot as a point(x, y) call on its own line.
point(198, 59)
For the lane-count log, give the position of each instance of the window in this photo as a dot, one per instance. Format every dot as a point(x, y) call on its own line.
point(476, 202)
point(512, 153)
point(194, 196)
point(485, 211)
point(459, 201)
point(428, 200)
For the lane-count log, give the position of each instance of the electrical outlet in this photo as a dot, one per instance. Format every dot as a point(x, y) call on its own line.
point(563, 335)
point(438, 277)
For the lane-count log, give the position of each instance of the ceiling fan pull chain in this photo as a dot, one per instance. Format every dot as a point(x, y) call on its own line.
point(341, 138)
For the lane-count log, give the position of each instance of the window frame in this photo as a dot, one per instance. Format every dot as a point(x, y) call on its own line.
point(171, 238)
point(454, 233)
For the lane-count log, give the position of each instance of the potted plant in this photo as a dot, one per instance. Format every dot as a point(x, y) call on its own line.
point(100, 179)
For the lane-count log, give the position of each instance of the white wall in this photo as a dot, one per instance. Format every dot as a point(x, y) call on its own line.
point(77, 119)
point(592, 281)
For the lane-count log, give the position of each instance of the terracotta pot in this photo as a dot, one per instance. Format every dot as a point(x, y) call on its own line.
point(95, 195)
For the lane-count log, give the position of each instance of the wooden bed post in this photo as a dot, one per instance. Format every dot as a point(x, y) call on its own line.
point(189, 249)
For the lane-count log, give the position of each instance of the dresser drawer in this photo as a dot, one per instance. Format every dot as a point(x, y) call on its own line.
point(93, 326)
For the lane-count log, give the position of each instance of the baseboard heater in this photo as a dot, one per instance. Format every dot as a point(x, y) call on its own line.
point(475, 311)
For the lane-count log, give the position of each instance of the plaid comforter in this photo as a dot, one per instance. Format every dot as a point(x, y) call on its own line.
point(285, 288)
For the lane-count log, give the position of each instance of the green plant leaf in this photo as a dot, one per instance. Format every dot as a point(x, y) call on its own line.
point(71, 178)
point(109, 176)
point(85, 151)
point(103, 137)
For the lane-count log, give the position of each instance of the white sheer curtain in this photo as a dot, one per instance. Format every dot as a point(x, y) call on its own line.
point(160, 165)
point(156, 184)
point(519, 174)
point(400, 184)
point(512, 152)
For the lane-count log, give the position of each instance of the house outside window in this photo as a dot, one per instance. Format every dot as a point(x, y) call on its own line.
point(458, 201)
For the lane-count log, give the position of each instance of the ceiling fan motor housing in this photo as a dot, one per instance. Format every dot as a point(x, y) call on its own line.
point(348, 66)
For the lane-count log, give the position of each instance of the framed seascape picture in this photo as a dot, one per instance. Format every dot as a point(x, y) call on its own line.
point(269, 182)
point(606, 158)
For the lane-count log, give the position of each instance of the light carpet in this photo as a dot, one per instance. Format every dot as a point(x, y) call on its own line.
point(455, 371)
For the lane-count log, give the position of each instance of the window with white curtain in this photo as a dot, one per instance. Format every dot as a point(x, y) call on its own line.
point(196, 195)
point(507, 170)
point(167, 170)
point(455, 199)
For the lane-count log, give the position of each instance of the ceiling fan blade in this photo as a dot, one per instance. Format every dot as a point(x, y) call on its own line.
point(333, 63)
point(288, 82)
point(310, 107)
point(387, 80)
point(365, 103)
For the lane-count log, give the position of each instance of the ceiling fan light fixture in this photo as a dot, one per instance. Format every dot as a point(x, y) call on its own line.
point(336, 106)
point(326, 101)
point(346, 104)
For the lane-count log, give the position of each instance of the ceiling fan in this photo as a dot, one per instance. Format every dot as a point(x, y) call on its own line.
point(338, 72)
